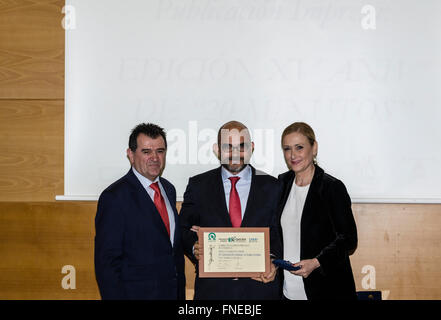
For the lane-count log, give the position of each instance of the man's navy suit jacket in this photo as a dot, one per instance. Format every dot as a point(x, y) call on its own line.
point(134, 258)
point(205, 206)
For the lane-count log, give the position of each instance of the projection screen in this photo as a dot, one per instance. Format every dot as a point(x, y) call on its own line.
point(365, 77)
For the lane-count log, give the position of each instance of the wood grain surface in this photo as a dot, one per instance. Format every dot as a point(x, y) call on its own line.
point(37, 239)
point(32, 144)
point(31, 49)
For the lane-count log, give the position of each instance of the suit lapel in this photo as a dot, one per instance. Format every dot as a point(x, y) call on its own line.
point(172, 200)
point(146, 204)
point(312, 196)
point(218, 197)
point(311, 201)
point(252, 200)
point(287, 186)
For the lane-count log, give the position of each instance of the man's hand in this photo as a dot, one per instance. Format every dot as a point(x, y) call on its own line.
point(197, 249)
point(269, 276)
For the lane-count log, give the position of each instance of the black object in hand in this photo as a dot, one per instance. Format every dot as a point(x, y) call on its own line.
point(285, 265)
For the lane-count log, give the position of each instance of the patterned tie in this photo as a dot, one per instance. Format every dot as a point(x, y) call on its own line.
point(235, 209)
point(160, 205)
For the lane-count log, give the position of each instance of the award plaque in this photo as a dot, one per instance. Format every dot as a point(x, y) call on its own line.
point(233, 252)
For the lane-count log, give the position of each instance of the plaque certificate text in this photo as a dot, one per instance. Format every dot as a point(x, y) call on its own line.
point(233, 252)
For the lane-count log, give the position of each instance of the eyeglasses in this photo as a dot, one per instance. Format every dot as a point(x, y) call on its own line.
point(230, 148)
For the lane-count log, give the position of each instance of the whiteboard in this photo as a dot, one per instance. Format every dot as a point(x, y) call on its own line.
point(367, 79)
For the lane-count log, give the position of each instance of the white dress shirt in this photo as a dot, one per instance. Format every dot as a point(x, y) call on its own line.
point(146, 184)
point(242, 186)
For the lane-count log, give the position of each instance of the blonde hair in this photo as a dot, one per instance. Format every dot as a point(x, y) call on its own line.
point(303, 128)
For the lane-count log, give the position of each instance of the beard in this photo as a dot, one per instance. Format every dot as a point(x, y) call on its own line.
point(234, 165)
point(233, 169)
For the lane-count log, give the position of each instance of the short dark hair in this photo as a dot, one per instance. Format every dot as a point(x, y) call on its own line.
point(149, 129)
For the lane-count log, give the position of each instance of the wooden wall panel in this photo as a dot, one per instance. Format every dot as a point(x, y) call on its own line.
point(402, 242)
point(32, 144)
point(37, 239)
point(31, 49)
point(31, 100)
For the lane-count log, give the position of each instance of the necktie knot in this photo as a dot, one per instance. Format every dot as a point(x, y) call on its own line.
point(234, 180)
point(155, 186)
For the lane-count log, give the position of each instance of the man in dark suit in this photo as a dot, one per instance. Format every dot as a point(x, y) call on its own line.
point(233, 195)
point(138, 247)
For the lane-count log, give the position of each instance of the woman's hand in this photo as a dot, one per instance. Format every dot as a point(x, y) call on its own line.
point(306, 267)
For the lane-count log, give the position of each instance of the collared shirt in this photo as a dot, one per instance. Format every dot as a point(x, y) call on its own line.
point(146, 184)
point(242, 186)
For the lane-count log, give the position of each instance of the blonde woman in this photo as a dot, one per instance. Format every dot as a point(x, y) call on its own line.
point(316, 223)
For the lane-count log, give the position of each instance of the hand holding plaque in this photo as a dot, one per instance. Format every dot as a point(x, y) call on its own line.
point(268, 276)
point(196, 247)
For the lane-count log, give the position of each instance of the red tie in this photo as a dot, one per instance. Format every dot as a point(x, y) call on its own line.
point(160, 205)
point(235, 209)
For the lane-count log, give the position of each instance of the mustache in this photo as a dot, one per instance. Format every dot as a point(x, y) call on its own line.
point(233, 160)
point(232, 169)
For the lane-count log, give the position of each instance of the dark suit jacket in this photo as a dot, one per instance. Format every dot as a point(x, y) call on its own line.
point(204, 205)
point(328, 233)
point(134, 258)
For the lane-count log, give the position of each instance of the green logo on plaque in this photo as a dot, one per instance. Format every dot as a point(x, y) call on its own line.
point(212, 236)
